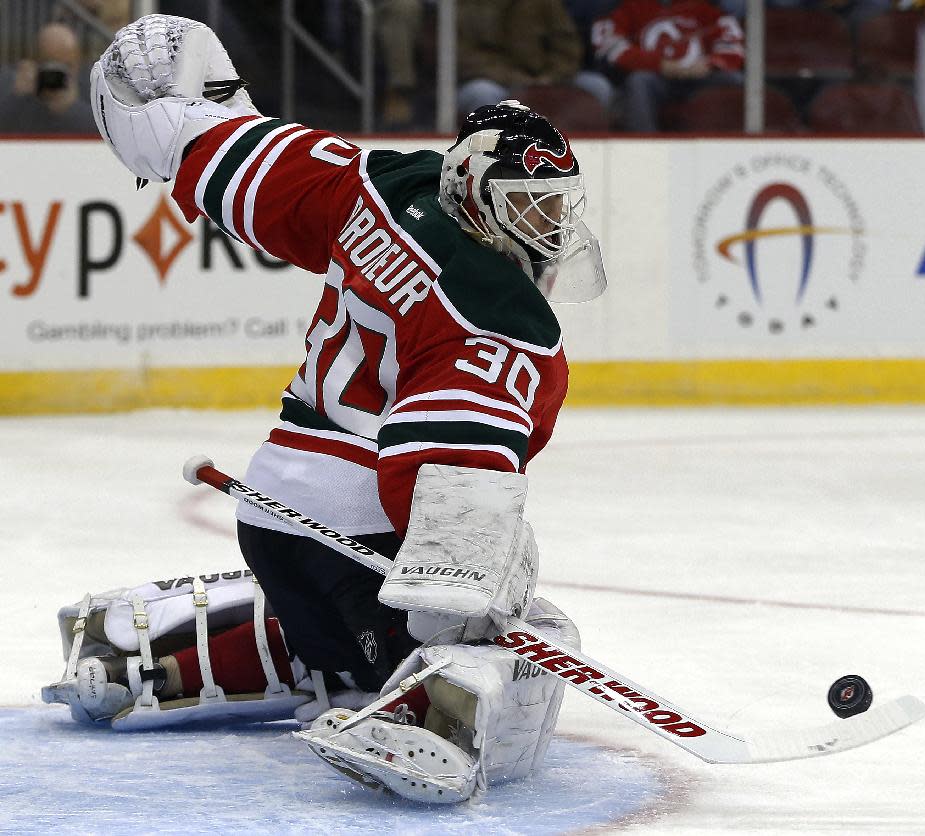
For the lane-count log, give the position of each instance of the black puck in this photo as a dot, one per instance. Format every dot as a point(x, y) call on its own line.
point(850, 695)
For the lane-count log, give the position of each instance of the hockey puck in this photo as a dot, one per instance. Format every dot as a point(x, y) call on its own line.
point(850, 695)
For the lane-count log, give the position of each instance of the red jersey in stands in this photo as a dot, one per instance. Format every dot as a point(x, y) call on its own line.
point(639, 34)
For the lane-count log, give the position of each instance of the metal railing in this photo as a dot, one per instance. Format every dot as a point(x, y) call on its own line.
point(362, 88)
point(446, 67)
point(754, 67)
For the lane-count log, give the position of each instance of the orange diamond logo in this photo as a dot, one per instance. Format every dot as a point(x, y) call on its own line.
point(152, 239)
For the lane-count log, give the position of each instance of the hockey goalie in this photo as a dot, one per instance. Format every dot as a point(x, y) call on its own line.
point(433, 373)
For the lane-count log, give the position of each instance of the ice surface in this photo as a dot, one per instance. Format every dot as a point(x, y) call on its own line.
point(734, 561)
point(65, 778)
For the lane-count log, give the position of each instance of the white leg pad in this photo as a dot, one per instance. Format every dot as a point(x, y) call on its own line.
point(491, 719)
point(508, 706)
point(235, 709)
point(116, 623)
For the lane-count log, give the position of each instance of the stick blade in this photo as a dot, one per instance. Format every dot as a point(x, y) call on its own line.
point(838, 736)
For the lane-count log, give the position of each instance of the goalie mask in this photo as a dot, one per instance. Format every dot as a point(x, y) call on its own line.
point(512, 181)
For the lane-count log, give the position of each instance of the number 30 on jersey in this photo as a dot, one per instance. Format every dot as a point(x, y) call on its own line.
point(522, 376)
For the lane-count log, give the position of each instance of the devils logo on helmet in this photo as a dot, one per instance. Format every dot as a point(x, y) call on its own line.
point(512, 181)
point(535, 156)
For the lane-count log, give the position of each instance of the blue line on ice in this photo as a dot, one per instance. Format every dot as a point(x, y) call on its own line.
point(58, 776)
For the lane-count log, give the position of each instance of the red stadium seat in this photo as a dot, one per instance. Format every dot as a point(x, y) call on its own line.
point(807, 43)
point(886, 44)
point(722, 109)
point(864, 108)
point(567, 107)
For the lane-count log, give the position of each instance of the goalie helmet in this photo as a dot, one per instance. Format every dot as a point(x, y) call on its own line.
point(512, 181)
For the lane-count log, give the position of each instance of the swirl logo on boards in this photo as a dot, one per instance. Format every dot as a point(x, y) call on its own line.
point(777, 242)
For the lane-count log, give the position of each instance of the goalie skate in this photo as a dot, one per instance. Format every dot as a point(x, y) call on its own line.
point(382, 754)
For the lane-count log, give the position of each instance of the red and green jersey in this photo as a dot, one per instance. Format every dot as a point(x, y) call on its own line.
point(426, 346)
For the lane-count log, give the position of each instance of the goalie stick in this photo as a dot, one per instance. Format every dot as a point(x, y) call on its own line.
point(599, 682)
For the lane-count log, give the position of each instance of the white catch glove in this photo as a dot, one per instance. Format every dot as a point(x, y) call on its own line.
point(162, 82)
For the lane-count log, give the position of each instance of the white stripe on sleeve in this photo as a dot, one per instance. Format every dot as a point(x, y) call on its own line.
point(468, 397)
point(218, 156)
point(233, 184)
point(455, 415)
point(419, 446)
point(250, 196)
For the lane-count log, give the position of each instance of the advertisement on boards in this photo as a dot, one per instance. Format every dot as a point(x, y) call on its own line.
point(97, 274)
point(797, 248)
point(714, 249)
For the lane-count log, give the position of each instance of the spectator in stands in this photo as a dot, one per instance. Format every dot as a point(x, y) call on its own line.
point(46, 98)
point(584, 13)
point(398, 23)
point(112, 15)
point(507, 44)
point(664, 49)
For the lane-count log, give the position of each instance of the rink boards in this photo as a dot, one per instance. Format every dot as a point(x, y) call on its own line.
point(741, 271)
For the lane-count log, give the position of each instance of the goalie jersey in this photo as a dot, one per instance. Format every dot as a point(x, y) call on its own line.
point(426, 346)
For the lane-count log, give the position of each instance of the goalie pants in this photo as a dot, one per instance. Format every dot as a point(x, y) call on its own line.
point(327, 604)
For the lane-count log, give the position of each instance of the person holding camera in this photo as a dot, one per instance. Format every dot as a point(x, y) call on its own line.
point(46, 97)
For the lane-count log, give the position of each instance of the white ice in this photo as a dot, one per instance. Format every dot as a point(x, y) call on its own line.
point(734, 561)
